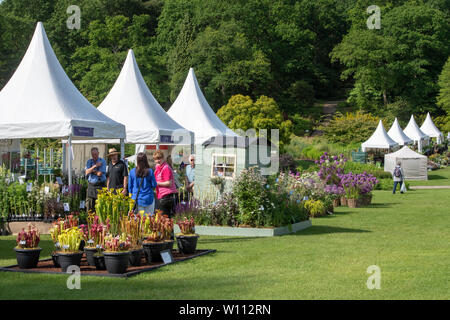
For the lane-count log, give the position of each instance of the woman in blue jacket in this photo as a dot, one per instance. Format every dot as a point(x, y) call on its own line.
point(142, 179)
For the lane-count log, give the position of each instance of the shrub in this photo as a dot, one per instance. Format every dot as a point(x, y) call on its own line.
point(302, 125)
point(357, 167)
point(315, 208)
point(350, 128)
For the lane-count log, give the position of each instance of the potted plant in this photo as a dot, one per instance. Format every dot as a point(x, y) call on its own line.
point(154, 237)
point(187, 239)
point(133, 227)
point(55, 231)
point(94, 235)
point(168, 232)
point(27, 250)
point(99, 258)
point(69, 242)
point(117, 253)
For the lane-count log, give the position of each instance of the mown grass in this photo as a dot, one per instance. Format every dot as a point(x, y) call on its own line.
point(440, 177)
point(405, 235)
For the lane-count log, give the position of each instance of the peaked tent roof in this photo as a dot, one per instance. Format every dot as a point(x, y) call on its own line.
point(40, 101)
point(379, 139)
point(131, 103)
point(406, 153)
point(428, 127)
point(397, 134)
point(193, 112)
point(413, 131)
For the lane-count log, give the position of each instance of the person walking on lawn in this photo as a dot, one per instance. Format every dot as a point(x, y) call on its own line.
point(397, 175)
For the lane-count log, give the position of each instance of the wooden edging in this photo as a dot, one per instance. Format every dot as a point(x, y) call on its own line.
point(249, 232)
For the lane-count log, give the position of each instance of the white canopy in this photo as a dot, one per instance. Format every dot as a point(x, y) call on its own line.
point(193, 112)
point(413, 131)
point(131, 103)
point(379, 140)
point(414, 164)
point(430, 129)
point(40, 101)
point(397, 134)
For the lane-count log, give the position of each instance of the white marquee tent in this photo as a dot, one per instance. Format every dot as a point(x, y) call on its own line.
point(413, 131)
point(193, 112)
point(414, 164)
point(379, 140)
point(131, 103)
point(40, 101)
point(397, 134)
point(429, 128)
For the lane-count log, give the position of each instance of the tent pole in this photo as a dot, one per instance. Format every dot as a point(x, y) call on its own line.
point(122, 148)
point(70, 161)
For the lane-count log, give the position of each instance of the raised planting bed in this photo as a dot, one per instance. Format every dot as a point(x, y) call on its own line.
point(46, 266)
point(248, 232)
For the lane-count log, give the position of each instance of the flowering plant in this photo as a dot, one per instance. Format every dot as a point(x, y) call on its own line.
point(118, 243)
point(112, 206)
point(28, 239)
point(154, 227)
point(357, 184)
point(70, 239)
point(187, 227)
point(330, 167)
point(133, 226)
point(94, 232)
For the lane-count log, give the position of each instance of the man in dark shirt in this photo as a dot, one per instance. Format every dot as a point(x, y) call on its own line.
point(117, 172)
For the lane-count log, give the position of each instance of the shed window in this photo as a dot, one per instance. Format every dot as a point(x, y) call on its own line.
point(223, 165)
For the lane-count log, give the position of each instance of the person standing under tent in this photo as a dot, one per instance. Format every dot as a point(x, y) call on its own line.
point(141, 184)
point(96, 175)
point(190, 176)
point(397, 175)
point(117, 172)
point(166, 191)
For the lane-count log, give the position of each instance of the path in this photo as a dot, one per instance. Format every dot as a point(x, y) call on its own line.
point(429, 187)
point(328, 111)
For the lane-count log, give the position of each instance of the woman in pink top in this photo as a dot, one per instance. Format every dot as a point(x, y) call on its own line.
point(166, 191)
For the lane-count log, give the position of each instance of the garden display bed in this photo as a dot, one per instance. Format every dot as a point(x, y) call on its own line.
point(46, 266)
point(249, 232)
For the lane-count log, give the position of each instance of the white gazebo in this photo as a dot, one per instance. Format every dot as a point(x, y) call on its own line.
point(193, 112)
point(40, 101)
point(379, 140)
point(397, 134)
point(414, 164)
point(428, 127)
point(131, 103)
point(413, 131)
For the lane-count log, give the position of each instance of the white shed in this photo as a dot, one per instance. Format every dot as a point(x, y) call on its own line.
point(414, 164)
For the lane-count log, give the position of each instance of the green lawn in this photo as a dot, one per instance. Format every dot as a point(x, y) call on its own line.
point(440, 177)
point(407, 236)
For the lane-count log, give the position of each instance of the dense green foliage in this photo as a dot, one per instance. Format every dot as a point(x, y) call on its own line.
point(292, 51)
point(443, 99)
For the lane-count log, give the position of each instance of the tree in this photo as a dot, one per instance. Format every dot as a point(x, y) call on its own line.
point(443, 99)
point(398, 61)
point(241, 112)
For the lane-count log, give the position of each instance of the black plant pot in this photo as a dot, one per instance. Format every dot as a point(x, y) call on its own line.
point(27, 258)
point(55, 260)
point(5, 232)
point(69, 259)
point(117, 262)
point(136, 257)
point(82, 243)
point(169, 244)
point(99, 261)
point(90, 255)
point(153, 251)
point(187, 244)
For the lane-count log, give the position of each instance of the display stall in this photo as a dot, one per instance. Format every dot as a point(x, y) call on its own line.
point(40, 101)
point(216, 145)
point(414, 164)
point(397, 134)
point(413, 131)
point(379, 140)
point(131, 103)
point(429, 128)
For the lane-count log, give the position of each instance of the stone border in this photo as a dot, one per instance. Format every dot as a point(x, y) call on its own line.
point(249, 232)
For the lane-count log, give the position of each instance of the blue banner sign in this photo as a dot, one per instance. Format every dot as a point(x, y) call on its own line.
point(83, 132)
